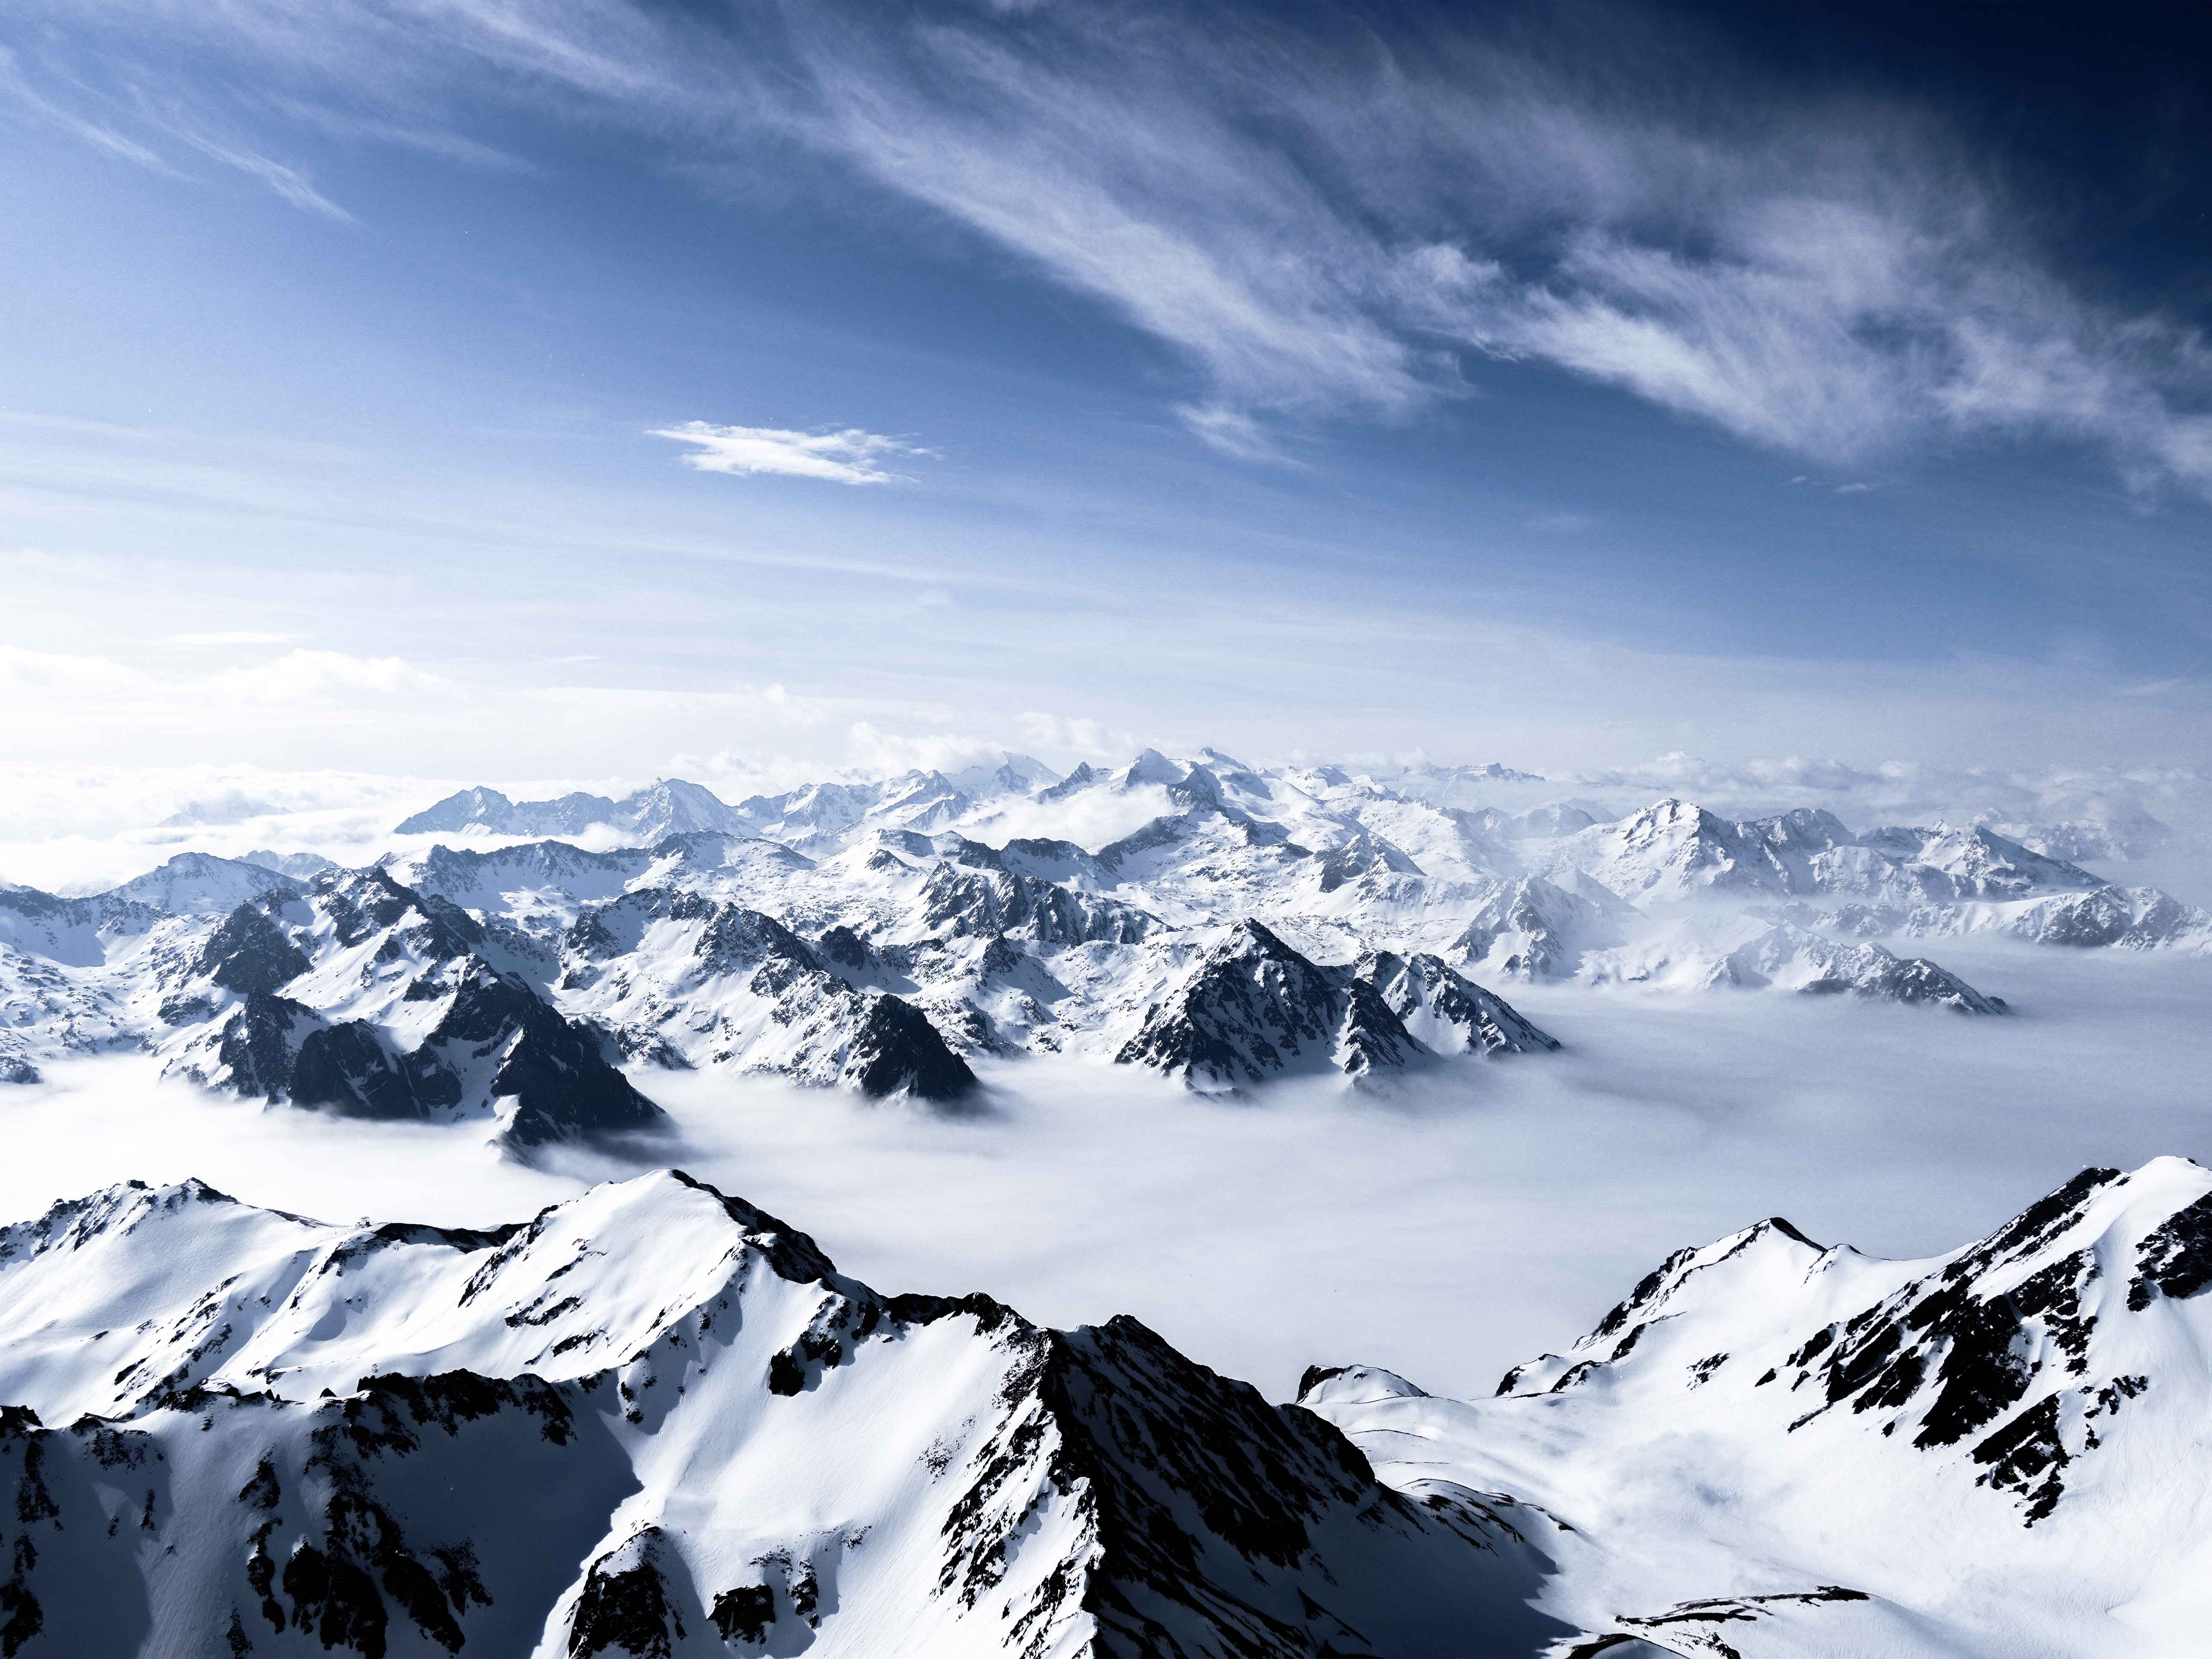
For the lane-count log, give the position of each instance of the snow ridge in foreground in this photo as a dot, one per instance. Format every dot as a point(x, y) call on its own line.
point(654, 1420)
point(1772, 1448)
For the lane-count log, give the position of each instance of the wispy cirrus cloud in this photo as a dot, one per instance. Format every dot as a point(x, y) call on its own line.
point(290, 183)
point(848, 457)
point(27, 100)
point(1326, 221)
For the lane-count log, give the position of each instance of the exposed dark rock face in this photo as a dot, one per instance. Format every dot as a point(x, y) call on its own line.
point(744, 1614)
point(737, 938)
point(625, 1607)
point(1253, 1008)
point(344, 1068)
point(250, 953)
point(260, 1042)
point(842, 950)
point(958, 902)
point(1222, 1524)
point(2175, 1259)
point(897, 1049)
point(562, 1089)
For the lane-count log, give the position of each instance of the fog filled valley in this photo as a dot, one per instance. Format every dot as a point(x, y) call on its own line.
point(1447, 1229)
point(1377, 1087)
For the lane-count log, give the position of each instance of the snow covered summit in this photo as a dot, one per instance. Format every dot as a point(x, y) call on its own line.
point(655, 1421)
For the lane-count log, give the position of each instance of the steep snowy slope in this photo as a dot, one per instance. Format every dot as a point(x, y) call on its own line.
point(1775, 1449)
point(655, 1421)
point(198, 884)
point(676, 975)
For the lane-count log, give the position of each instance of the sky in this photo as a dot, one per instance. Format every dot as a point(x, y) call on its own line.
point(585, 389)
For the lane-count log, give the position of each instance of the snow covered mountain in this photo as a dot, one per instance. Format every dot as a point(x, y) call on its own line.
point(655, 1421)
point(1773, 1448)
point(1250, 1008)
point(1216, 921)
point(668, 807)
point(350, 994)
point(363, 997)
point(912, 800)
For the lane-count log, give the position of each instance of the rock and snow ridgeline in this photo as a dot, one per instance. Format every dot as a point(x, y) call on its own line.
point(655, 1421)
point(1772, 1448)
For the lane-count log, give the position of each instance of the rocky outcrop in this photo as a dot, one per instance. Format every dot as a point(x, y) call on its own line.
point(1445, 1012)
point(1252, 1008)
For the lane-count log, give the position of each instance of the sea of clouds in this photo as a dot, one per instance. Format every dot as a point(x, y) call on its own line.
point(1445, 1227)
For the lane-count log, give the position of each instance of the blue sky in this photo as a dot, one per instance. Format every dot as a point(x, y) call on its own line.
point(1558, 385)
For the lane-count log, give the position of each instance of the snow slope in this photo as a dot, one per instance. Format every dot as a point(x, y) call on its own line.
point(1775, 1448)
point(654, 1420)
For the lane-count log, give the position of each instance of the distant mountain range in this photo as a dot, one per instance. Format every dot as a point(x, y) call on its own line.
point(1221, 924)
point(655, 1421)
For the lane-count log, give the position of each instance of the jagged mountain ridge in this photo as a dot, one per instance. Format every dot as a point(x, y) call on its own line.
point(683, 1431)
point(1277, 843)
point(346, 993)
point(1794, 1450)
point(655, 1421)
point(918, 951)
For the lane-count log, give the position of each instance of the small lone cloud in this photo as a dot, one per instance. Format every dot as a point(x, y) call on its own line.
point(849, 456)
point(1853, 489)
